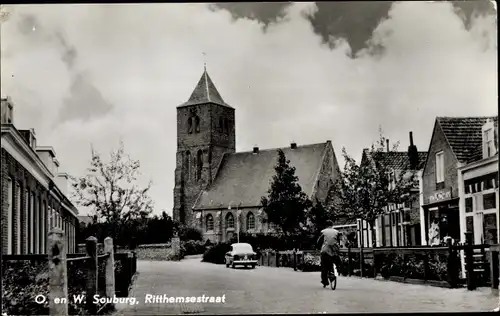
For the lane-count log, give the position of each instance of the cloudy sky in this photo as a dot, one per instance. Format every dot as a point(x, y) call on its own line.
point(95, 74)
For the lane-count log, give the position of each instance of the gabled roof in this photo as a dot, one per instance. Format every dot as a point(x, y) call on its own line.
point(464, 134)
point(398, 160)
point(205, 92)
point(245, 177)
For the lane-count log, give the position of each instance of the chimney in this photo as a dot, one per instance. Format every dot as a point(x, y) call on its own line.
point(293, 145)
point(7, 110)
point(387, 141)
point(255, 149)
point(412, 154)
point(62, 182)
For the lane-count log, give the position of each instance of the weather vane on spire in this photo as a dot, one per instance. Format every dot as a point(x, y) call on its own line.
point(205, 61)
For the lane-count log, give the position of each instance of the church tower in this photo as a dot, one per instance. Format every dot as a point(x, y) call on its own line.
point(205, 132)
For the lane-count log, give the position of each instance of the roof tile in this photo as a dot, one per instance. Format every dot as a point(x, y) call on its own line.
point(464, 134)
point(245, 177)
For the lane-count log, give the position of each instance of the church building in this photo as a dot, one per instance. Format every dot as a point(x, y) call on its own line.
point(219, 190)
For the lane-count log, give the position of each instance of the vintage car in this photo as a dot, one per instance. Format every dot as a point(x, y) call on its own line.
point(241, 254)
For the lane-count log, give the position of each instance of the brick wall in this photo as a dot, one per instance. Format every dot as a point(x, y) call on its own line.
point(439, 143)
point(10, 168)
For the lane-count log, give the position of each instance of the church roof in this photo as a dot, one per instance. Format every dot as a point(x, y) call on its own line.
point(205, 92)
point(245, 177)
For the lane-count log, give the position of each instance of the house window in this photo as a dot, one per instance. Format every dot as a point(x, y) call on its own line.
point(488, 142)
point(229, 220)
point(468, 205)
point(32, 223)
point(250, 221)
point(489, 201)
point(439, 167)
point(26, 213)
point(10, 221)
point(209, 222)
point(18, 219)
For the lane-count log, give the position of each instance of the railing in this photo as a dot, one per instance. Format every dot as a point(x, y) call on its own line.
point(440, 266)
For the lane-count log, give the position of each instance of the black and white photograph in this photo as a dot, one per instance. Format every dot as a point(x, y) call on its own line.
point(242, 158)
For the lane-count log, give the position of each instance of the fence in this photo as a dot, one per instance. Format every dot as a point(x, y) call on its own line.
point(68, 281)
point(438, 266)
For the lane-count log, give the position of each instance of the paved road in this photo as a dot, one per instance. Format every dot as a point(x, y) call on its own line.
point(281, 290)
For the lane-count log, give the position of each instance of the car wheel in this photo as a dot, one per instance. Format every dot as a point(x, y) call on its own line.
point(253, 266)
point(227, 263)
point(233, 265)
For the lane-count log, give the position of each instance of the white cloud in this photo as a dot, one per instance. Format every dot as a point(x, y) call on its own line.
point(146, 59)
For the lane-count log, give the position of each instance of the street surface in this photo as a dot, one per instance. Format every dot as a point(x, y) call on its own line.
point(282, 290)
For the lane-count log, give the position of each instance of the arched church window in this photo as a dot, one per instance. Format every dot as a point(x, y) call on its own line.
point(221, 128)
point(250, 221)
point(199, 164)
point(187, 165)
point(226, 126)
point(190, 125)
point(196, 124)
point(209, 222)
point(229, 220)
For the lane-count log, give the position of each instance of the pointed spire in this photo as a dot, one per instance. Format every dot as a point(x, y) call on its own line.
point(205, 92)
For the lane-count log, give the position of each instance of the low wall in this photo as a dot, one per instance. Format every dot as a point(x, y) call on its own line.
point(159, 252)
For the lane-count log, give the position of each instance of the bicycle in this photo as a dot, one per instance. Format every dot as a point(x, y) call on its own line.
point(332, 276)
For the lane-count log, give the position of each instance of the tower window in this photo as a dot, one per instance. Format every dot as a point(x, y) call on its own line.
point(199, 162)
point(221, 128)
point(187, 165)
point(196, 124)
point(226, 126)
point(190, 125)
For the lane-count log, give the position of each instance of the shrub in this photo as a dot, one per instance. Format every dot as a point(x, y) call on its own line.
point(22, 281)
point(189, 233)
point(192, 247)
point(311, 262)
point(216, 253)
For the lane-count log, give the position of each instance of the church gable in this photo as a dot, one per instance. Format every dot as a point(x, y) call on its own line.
point(243, 178)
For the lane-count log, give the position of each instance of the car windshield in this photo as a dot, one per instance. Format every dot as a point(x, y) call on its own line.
point(242, 248)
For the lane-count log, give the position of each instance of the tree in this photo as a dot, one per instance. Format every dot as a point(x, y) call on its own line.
point(110, 190)
point(286, 203)
point(366, 190)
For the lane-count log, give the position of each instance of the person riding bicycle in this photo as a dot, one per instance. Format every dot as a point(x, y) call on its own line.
point(330, 245)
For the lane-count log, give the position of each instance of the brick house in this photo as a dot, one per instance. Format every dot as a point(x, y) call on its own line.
point(478, 188)
point(454, 142)
point(400, 226)
point(33, 191)
point(218, 189)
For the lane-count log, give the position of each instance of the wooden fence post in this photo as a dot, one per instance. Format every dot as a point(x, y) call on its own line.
point(452, 265)
point(91, 267)
point(469, 261)
point(349, 261)
point(58, 276)
point(426, 265)
point(110, 267)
